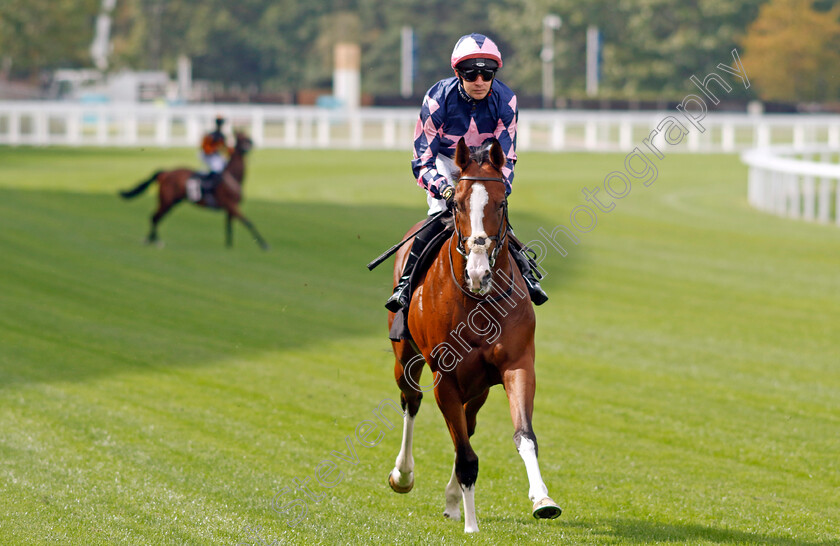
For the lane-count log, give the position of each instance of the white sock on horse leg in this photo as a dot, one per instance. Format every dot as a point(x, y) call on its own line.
point(528, 451)
point(403, 472)
point(453, 498)
point(470, 521)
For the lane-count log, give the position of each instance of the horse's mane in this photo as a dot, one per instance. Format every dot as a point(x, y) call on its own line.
point(481, 153)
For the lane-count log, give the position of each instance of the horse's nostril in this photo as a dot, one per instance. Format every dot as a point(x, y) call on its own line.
point(480, 241)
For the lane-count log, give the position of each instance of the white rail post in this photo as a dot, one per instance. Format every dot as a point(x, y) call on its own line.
point(257, 126)
point(590, 136)
point(823, 202)
point(762, 135)
point(130, 127)
point(14, 127)
point(625, 135)
point(101, 126)
point(524, 134)
point(290, 129)
point(728, 137)
point(794, 200)
point(834, 136)
point(74, 127)
point(808, 195)
point(193, 128)
point(558, 135)
point(779, 193)
point(42, 131)
point(799, 136)
point(162, 128)
point(837, 202)
point(323, 130)
point(356, 128)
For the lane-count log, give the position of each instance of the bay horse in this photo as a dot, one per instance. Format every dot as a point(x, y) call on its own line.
point(470, 318)
point(226, 196)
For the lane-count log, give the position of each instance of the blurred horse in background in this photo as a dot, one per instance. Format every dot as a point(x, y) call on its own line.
point(179, 184)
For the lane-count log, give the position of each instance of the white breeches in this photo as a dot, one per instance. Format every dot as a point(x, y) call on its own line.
point(215, 162)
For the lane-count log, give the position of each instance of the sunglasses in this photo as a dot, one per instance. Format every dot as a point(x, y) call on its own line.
point(472, 74)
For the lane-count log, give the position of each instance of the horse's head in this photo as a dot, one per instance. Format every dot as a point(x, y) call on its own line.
point(480, 210)
point(243, 142)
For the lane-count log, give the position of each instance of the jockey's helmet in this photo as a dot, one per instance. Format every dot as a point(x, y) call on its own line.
point(475, 46)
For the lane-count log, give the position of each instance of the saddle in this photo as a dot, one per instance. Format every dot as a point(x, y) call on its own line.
point(399, 328)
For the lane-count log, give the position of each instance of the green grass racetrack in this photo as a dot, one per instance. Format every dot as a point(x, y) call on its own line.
point(688, 361)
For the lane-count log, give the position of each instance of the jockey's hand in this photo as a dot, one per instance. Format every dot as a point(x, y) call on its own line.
point(448, 193)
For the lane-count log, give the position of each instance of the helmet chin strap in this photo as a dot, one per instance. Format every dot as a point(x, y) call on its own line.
point(463, 91)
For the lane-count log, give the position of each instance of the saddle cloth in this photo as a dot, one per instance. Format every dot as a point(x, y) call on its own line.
point(199, 187)
point(399, 328)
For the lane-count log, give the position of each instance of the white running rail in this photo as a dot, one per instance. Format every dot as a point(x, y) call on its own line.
point(44, 123)
point(796, 182)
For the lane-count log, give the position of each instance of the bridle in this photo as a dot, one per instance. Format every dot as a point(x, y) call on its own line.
point(499, 238)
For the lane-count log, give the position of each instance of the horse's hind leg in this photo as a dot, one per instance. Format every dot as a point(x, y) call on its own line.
point(453, 489)
point(401, 478)
point(520, 385)
point(164, 207)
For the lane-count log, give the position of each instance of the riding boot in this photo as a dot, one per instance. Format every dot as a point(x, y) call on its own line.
point(530, 274)
point(211, 180)
point(402, 292)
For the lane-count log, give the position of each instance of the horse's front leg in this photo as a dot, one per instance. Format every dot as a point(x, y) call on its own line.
point(466, 460)
point(520, 385)
point(453, 489)
point(233, 210)
point(401, 478)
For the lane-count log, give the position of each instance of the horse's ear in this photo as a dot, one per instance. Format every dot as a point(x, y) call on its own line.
point(462, 154)
point(497, 155)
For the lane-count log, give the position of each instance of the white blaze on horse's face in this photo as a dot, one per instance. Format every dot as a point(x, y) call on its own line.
point(478, 243)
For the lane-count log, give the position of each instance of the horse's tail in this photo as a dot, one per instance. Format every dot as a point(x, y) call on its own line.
point(141, 187)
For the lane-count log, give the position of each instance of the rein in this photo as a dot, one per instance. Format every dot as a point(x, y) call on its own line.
point(499, 238)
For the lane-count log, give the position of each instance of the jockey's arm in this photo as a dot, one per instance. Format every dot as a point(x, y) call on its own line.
point(507, 138)
point(426, 152)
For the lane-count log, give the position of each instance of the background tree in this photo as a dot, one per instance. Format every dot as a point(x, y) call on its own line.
point(650, 47)
point(46, 34)
point(792, 52)
point(437, 26)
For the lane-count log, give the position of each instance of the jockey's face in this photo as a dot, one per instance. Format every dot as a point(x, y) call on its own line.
point(477, 89)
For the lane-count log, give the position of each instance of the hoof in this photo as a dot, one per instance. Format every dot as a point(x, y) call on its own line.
point(454, 515)
point(400, 488)
point(546, 509)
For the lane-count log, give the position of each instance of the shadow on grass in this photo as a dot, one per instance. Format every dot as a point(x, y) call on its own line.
point(83, 297)
point(641, 531)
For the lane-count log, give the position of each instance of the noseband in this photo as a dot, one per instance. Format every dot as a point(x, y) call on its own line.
point(499, 239)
